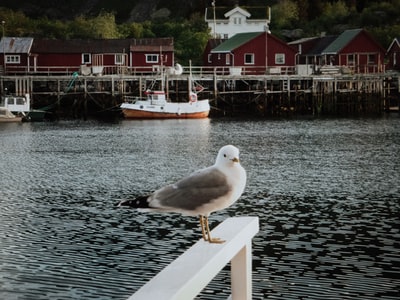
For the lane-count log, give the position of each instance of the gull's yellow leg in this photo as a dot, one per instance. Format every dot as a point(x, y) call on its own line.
point(203, 232)
point(211, 240)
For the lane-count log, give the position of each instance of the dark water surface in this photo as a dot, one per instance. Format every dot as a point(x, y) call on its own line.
point(326, 191)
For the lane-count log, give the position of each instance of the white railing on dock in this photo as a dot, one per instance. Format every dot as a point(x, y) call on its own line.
point(190, 273)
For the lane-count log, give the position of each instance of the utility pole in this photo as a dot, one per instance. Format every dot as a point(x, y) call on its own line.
point(213, 5)
point(3, 24)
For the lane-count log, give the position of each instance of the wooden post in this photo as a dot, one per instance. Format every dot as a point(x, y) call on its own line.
point(241, 274)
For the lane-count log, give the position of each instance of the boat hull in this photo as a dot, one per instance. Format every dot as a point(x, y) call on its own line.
point(143, 110)
point(35, 115)
point(9, 120)
point(6, 116)
point(141, 114)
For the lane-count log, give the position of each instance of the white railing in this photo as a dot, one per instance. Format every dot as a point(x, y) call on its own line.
point(190, 273)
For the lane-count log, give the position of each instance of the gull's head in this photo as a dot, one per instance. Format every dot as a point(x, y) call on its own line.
point(228, 155)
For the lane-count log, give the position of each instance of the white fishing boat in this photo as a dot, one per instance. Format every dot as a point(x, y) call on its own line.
point(156, 106)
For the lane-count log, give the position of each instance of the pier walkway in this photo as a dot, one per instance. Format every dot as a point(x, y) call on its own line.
point(229, 94)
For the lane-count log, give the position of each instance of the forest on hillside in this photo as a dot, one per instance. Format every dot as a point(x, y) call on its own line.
point(184, 20)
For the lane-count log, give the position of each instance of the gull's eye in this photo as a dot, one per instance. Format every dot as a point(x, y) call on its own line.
point(224, 155)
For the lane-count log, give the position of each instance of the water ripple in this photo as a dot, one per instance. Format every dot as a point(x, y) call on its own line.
point(326, 192)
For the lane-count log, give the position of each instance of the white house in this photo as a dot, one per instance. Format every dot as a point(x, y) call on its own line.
point(225, 22)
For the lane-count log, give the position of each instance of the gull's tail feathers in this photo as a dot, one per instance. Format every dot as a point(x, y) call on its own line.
point(139, 202)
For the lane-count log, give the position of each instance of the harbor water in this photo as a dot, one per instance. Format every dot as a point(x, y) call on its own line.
point(326, 192)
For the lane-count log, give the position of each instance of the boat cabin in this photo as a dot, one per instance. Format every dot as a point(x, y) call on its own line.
point(17, 104)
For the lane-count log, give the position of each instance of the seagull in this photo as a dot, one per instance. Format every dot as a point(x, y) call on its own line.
point(201, 193)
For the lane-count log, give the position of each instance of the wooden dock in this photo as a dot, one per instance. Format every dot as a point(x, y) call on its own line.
point(77, 96)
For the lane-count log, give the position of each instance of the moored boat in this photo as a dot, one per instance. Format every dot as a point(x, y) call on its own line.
point(21, 106)
point(156, 106)
point(6, 116)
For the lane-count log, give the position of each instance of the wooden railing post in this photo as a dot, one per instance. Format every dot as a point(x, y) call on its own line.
point(241, 279)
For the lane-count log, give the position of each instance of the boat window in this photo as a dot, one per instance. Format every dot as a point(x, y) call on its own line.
point(10, 101)
point(20, 101)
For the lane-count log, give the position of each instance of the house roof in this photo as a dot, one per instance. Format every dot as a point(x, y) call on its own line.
point(341, 41)
point(395, 41)
point(236, 41)
point(81, 46)
point(321, 44)
point(239, 10)
point(16, 44)
point(223, 12)
point(213, 43)
point(152, 44)
point(101, 45)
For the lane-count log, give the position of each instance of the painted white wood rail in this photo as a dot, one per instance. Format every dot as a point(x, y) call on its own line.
point(190, 273)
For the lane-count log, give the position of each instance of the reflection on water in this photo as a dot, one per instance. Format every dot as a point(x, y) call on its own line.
point(326, 192)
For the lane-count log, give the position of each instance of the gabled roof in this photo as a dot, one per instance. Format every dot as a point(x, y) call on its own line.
point(321, 44)
point(255, 12)
point(16, 44)
point(213, 43)
point(239, 10)
point(236, 41)
point(396, 41)
point(341, 41)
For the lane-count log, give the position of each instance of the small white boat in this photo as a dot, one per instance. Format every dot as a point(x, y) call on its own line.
point(156, 106)
point(21, 105)
point(6, 116)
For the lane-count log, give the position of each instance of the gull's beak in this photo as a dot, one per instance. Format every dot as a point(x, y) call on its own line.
point(235, 159)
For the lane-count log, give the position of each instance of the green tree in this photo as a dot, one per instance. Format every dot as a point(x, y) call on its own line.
point(80, 28)
point(103, 26)
point(190, 37)
point(284, 14)
point(16, 23)
point(333, 15)
point(52, 29)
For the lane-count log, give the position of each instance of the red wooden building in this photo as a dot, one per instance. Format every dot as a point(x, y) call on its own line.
point(102, 56)
point(393, 55)
point(354, 49)
point(151, 53)
point(252, 53)
point(15, 52)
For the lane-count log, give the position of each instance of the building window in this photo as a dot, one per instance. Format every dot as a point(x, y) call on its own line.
point(237, 21)
point(13, 59)
point(119, 59)
point(371, 59)
point(279, 58)
point(151, 58)
point(209, 60)
point(350, 59)
point(86, 58)
point(249, 59)
point(227, 59)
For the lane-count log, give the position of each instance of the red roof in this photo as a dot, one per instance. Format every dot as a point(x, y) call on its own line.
point(102, 45)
